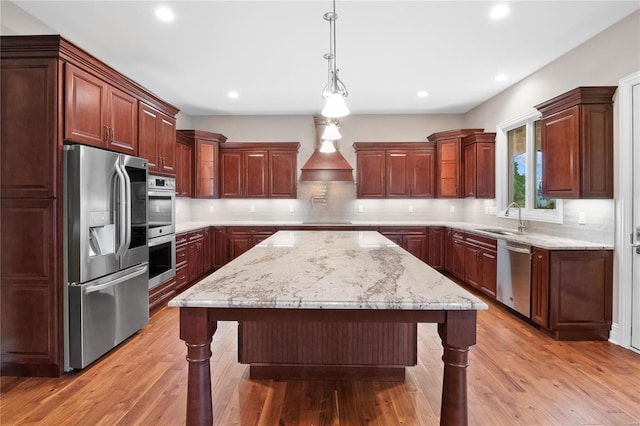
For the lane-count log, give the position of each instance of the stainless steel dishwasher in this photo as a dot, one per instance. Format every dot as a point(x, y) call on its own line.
point(514, 276)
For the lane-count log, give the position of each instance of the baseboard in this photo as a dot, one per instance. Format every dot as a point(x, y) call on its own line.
point(614, 334)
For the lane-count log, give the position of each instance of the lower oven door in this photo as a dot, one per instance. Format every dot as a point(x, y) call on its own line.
point(162, 259)
point(106, 311)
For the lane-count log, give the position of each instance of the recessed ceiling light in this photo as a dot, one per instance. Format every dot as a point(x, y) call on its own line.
point(233, 94)
point(423, 94)
point(164, 14)
point(499, 11)
point(502, 77)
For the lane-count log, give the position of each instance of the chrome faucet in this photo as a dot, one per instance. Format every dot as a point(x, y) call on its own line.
point(521, 226)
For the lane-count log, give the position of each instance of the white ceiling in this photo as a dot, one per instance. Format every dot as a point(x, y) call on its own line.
point(271, 52)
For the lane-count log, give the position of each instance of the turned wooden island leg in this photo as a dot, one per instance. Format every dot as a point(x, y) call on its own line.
point(197, 330)
point(458, 334)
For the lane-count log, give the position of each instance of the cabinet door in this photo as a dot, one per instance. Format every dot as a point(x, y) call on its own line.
point(283, 173)
point(540, 287)
point(29, 129)
point(206, 251)
point(238, 244)
point(85, 107)
point(396, 182)
point(448, 177)
point(485, 170)
point(231, 175)
point(370, 174)
point(219, 246)
point(472, 265)
point(122, 120)
point(256, 164)
point(184, 170)
point(206, 169)
point(488, 281)
point(561, 156)
point(196, 260)
point(416, 245)
point(580, 293)
point(435, 254)
point(421, 174)
point(148, 136)
point(470, 170)
point(167, 144)
point(457, 257)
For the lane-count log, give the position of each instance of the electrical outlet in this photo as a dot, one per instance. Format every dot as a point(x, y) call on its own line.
point(252, 209)
point(582, 218)
point(452, 209)
point(410, 209)
point(292, 209)
point(361, 208)
point(211, 209)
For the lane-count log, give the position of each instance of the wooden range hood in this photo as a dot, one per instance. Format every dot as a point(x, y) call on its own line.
point(323, 166)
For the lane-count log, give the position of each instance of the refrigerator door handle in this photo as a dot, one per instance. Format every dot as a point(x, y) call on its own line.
point(122, 222)
point(127, 207)
point(97, 287)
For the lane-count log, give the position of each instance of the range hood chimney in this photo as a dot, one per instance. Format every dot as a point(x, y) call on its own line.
point(323, 166)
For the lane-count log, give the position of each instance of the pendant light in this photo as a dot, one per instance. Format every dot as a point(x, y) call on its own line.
point(335, 91)
point(331, 132)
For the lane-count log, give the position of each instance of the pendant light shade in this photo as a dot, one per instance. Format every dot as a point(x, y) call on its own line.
point(327, 147)
point(335, 107)
point(331, 132)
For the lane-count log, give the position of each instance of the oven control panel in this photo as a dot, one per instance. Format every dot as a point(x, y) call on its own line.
point(157, 182)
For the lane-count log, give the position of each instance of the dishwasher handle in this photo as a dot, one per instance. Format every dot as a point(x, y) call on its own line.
point(517, 248)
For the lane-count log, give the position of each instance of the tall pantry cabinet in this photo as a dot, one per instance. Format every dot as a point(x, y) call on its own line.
point(51, 91)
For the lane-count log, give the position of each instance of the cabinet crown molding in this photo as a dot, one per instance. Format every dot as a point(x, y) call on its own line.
point(452, 134)
point(580, 95)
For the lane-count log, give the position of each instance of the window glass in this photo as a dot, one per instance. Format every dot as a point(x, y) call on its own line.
point(517, 152)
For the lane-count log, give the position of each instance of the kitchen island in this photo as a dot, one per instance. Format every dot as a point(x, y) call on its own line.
point(337, 276)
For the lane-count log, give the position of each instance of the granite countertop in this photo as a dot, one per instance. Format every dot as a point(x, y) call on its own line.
point(544, 241)
point(328, 270)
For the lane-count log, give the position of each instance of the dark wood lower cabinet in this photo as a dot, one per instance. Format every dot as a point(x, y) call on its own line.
point(436, 251)
point(580, 294)
point(456, 253)
point(415, 240)
point(480, 263)
point(540, 287)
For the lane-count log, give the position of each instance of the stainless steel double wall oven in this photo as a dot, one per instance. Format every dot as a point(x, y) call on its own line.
point(162, 239)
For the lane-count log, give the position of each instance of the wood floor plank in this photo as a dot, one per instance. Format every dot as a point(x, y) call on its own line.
point(517, 376)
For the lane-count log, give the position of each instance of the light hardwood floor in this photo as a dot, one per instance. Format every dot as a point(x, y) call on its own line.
point(517, 376)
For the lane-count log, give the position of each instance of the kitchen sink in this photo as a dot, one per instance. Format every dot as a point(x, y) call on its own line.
point(501, 231)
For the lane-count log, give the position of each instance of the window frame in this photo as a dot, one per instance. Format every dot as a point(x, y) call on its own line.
point(529, 212)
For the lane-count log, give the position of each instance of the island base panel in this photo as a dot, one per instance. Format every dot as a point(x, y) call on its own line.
point(327, 372)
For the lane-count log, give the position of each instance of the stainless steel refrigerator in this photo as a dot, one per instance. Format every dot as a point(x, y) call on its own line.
point(106, 254)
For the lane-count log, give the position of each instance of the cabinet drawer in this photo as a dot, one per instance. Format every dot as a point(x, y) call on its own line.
point(182, 239)
point(406, 230)
point(483, 242)
point(182, 277)
point(458, 235)
point(181, 255)
point(198, 234)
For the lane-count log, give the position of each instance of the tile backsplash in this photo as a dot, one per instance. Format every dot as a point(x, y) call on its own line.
point(336, 202)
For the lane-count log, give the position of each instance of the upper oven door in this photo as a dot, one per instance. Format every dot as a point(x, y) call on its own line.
point(161, 213)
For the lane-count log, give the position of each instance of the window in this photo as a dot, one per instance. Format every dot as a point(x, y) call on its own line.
point(519, 170)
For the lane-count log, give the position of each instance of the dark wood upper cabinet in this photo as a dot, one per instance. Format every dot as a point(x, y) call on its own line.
point(479, 165)
point(449, 176)
point(283, 176)
point(99, 114)
point(370, 174)
point(184, 168)
point(395, 169)
point(204, 165)
point(157, 138)
point(577, 144)
point(258, 170)
point(51, 91)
